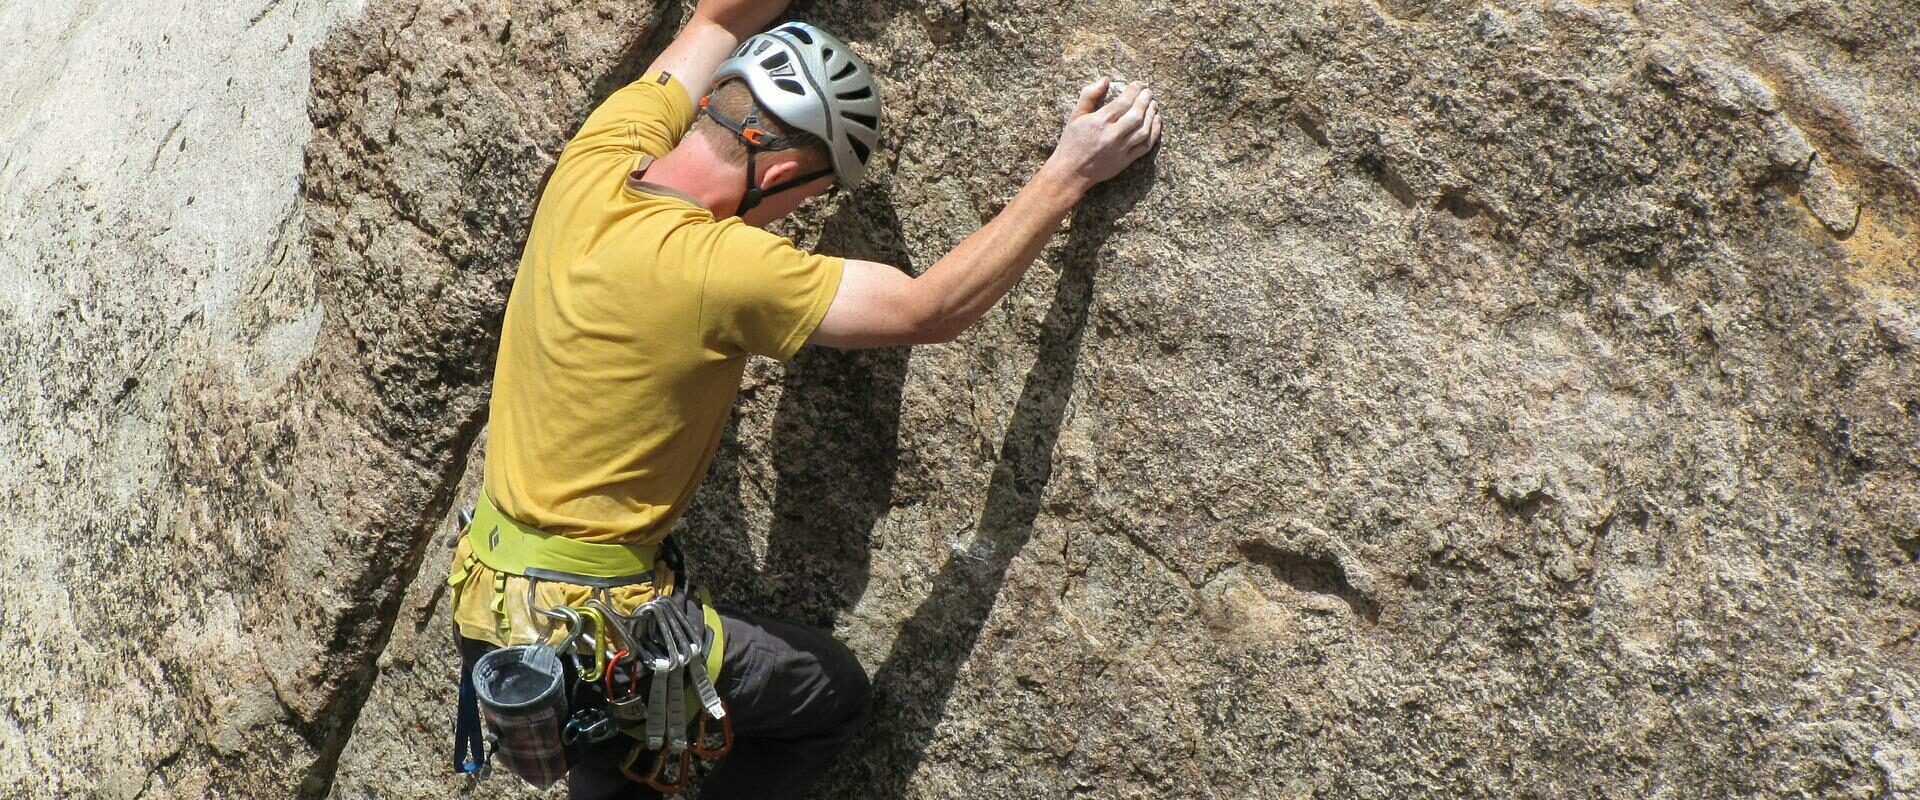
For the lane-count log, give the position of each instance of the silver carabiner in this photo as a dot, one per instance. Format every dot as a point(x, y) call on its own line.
point(576, 624)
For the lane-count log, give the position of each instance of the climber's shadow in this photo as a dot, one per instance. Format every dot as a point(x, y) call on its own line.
point(835, 442)
point(834, 447)
point(912, 686)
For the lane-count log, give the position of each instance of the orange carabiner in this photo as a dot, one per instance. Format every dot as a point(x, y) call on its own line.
point(633, 682)
point(626, 765)
point(704, 743)
point(663, 764)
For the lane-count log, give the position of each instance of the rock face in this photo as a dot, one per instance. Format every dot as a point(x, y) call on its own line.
point(167, 631)
point(1469, 399)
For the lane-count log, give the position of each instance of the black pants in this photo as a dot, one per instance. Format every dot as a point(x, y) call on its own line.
point(796, 697)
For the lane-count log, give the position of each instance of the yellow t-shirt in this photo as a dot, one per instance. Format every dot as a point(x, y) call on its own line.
point(625, 338)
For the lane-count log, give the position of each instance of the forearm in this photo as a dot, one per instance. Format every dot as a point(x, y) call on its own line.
point(880, 306)
point(742, 18)
point(970, 279)
point(717, 27)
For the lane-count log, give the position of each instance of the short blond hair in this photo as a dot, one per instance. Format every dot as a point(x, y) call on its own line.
point(734, 100)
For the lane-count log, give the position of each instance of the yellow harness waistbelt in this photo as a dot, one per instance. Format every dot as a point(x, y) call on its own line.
point(516, 548)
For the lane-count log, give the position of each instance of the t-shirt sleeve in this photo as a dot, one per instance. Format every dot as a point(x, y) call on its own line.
point(764, 296)
point(647, 116)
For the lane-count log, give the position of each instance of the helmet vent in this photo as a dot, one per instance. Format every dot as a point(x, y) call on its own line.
point(861, 93)
point(844, 72)
point(762, 48)
point(800, 33)
point(860, 119)
point(790, 86)
point(826, 54)
point(774, 62)
point(860, 149)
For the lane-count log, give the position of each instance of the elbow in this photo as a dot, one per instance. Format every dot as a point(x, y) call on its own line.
point(943, 319)
point(936, 330)
point(928, 319)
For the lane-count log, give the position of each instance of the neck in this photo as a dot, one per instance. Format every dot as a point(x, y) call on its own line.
point(694, 168)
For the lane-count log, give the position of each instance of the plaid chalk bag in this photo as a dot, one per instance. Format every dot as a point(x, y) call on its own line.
point(520, 695)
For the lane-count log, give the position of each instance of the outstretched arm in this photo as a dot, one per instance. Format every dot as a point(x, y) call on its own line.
point(717, 27)
point(879, 306)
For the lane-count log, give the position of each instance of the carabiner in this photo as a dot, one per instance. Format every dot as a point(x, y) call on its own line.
point(627, 626)
point(669, 777)
point(597, 642)
point(708, 746)
point(576, 627)
point(633, 682)
point(533, 604)
point(669, 773)
point(626, 764)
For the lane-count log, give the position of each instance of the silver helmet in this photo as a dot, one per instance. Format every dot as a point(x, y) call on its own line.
point(812, 81)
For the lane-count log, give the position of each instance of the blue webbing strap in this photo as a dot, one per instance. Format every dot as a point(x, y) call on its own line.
point(469, 737)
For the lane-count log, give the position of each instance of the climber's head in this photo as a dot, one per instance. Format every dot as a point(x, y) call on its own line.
point(798, 110)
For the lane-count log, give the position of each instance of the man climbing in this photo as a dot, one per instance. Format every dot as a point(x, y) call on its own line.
point(646, 282)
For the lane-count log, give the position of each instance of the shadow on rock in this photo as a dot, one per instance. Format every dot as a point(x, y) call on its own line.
point(836, 443)
point(834, 447)
point(912, 686)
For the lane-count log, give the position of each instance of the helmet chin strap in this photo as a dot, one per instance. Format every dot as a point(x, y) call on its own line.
point(755, 194)
point(757, 140)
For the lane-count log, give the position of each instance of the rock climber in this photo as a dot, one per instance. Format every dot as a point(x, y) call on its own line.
point(646, 282)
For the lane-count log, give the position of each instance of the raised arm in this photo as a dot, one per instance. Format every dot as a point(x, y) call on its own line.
point(717, 27)
point(879, 306)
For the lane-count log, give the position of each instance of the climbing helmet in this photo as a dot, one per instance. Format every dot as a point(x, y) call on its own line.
point(813, 81)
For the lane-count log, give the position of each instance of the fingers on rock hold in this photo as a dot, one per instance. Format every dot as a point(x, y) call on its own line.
point(1090, 96)
point(1147, 138)
point(1126, 100)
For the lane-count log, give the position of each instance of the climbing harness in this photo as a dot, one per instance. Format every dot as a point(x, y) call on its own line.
point(632, 669)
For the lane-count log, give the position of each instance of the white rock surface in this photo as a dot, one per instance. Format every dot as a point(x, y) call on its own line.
point(150, 214)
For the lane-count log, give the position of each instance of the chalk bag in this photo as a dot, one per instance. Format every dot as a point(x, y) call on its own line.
point(520, 696)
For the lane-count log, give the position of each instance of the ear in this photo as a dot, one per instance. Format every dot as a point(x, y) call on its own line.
point(778, 170)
